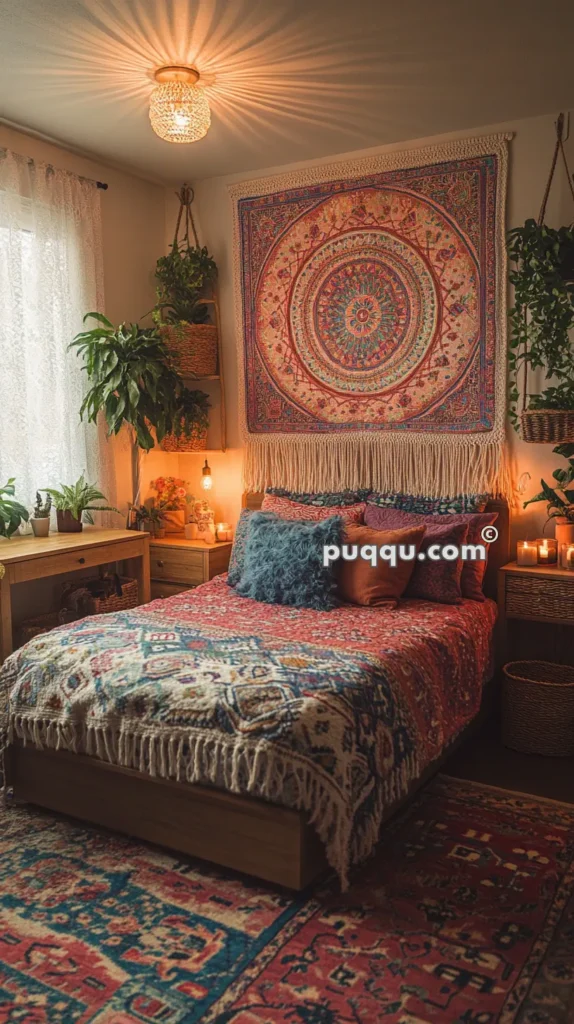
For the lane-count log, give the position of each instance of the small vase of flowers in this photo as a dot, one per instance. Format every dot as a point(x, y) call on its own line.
point(172, 497)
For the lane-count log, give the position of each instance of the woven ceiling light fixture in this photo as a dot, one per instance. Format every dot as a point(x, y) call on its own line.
point(178, 110)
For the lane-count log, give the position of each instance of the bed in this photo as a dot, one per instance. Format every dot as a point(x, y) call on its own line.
point(268, 739)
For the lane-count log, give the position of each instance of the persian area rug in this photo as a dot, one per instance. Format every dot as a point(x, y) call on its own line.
point(465, 915)
point(371, 308)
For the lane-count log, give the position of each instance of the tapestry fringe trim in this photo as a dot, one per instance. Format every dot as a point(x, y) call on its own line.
point(238, 766)
point(333, 464)
point(438, 465)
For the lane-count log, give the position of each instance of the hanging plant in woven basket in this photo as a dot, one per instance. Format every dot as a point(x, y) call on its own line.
point(542, 319)
point(184, 278)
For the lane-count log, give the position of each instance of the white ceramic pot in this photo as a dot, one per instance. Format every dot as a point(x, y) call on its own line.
point(41, 527)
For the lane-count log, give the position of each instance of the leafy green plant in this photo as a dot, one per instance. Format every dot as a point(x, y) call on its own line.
point(11, 512)
point(154, 515)
point(181, 277)
point(42, 509)
point(543, 312)
point(191, 412)
point(78, 499)
point(130, 377)
point(560, 498)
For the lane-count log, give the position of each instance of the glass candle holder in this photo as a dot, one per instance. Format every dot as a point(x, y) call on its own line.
point(527, 552)
point(547, 550)
point(567, 556)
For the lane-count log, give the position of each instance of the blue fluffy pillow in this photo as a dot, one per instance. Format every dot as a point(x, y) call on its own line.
point(283, 562)
point(239, 541)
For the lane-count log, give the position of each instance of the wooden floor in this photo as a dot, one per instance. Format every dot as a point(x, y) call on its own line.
point(484, 759)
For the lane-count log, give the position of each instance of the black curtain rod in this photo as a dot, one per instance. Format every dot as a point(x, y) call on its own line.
point(101, 184)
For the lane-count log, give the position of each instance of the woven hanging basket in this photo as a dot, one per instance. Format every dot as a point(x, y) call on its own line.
point(194, 442)
point(538, 708)
point(548, 426)
point(192, 348)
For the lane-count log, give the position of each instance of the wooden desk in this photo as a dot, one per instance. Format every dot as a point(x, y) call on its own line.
point(31, 558)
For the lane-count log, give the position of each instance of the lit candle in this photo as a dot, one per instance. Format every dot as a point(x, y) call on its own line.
point(547, 550)
point(223, 531)
point(569, 562)
point(527, 552)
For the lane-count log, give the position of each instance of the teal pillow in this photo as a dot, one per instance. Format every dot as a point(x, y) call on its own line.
point(283, 562)
point(322, 499)
point(239, 541)
point(463, 503)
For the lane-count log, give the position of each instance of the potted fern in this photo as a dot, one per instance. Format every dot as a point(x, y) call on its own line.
point(75, 503)
point(181, 311)
point(12, 513)
point(40, 518)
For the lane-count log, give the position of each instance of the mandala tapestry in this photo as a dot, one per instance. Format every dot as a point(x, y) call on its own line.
point(371, 308)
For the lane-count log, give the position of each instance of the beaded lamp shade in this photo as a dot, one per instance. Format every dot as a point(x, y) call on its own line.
point(179, 110)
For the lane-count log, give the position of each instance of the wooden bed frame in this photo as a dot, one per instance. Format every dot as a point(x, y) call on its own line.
point(243, 833)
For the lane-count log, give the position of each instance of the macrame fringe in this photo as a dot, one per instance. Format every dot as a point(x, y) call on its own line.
point(437, 468)
point(242, 767)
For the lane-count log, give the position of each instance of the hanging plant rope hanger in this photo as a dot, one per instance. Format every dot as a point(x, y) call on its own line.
point(543, 316)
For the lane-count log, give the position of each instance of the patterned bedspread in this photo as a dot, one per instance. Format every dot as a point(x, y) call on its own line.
point(331, 712)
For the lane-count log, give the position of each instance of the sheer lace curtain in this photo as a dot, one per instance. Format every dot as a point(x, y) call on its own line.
point(50, 275)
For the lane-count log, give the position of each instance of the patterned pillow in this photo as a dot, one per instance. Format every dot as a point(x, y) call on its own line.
point(283, 562)
point(238, 550)
point(287, 509)
point(463, 503)
point(325, 499)
point(472, 571)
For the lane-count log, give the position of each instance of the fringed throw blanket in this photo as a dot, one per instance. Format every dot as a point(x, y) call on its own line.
point(335, 713)
point(370, 301)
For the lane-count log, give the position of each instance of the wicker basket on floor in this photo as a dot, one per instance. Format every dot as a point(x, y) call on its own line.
point(548, 426)
point(538, 708)
point(100, 605)
point(35, 627)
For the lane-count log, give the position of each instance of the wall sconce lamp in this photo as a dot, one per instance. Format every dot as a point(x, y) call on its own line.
point(206, 478)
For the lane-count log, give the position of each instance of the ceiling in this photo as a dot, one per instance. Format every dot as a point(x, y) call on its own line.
point(287, 79)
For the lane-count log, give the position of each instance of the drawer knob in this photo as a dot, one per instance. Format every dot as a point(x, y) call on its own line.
point(160, 563)
point(81, 561)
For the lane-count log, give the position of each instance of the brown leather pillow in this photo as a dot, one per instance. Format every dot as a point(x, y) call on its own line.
point(359, 582)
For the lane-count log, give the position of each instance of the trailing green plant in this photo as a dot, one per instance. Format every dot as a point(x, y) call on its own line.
point(78, 499)
point(182, 277)
point(42, 509)
point(11, 512)
point(185, 273)
point(542, 316)
point(131, 381)
point(153, 514)
point(191, 412)
point(560, 498)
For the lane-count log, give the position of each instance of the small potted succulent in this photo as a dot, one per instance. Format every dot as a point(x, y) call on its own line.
point(74, 503)
point(11, 512)
point(40, 518)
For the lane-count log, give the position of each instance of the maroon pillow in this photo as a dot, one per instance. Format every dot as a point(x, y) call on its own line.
point(472, 571)
point(439, 580)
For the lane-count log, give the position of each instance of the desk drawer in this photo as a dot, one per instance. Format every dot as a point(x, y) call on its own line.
point(539, 597)
point(69, 561)
point(177, 565)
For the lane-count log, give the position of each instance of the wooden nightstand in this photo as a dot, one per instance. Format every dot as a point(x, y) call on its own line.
point(176, 564)
point(536, 594)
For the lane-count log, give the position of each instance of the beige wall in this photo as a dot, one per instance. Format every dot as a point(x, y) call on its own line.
point(530, 159)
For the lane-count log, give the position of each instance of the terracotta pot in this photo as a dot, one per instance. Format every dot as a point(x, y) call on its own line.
point(67, 523)
point(41, 527)
point(174, 521)
point(564, 532)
